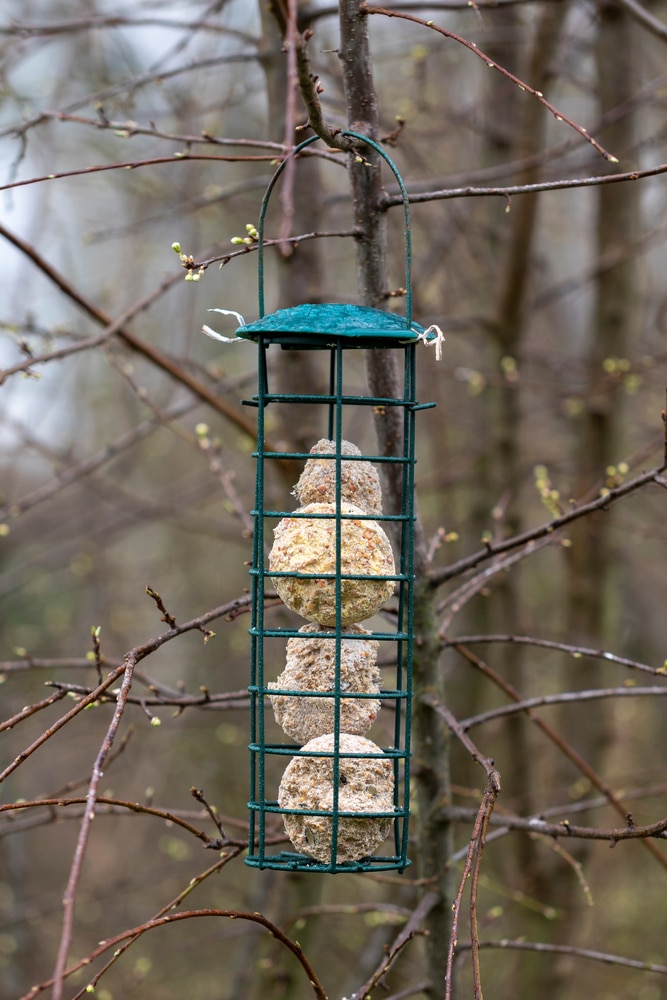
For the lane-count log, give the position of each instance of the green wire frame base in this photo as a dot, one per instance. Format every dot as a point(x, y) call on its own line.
point(291, 862)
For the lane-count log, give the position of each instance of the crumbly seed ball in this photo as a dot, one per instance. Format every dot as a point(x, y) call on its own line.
point(366, 785)
point(360, 482)
point(308, 545)
point(311, 666)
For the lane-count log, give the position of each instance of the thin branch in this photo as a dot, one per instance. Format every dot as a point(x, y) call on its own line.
point(566, 749)
point(166, 617)
point(137, 164)
point(92, 464)
point(29, 710)
point(92, 22)
point(257, 918)
point(216, 843)
point(477, 843)
point(390, 200)
point(40, 663)
point(160, 360)
point(98, 769)
point(562, 949)
point(564, 828)
point(129, 87)
point(315, 13)
point(457, 729)
point(564, 698)
point(289, 174)
point(136, 932)
point(561, 647)
point(129, 129)
point(473, 858)
point(193, 884)
point(62, 721)
point(224, 700)
point(227, 611)
point(91, 342)
point(578, 869)
point(645, 18)
point(602, 502)
point(252, 247)
point(308, 86)
point(472, 47)
point(457, 600)
point(69, 898)
point(406, 934)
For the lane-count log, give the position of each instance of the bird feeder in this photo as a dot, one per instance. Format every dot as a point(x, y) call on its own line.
point(331, 656)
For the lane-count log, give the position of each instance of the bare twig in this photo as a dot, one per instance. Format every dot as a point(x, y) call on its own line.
point(110, 329)
point(193, 884)
point(95, 22)
point(454, 603)
point(470, 191)
point(562, 949)
point(565, 828)
point(84, 830)
point(472, 865)
point(87, 700)
point(562, 647)
point(198, 794)
point(223, 259)
point(227, 611)
point(602, 502)
point(289, 174)
point(308, 86)
point(40, 663)
point(412, 927)
point(29, 710)
point(124, 805)
point(180, 700)
point(563, 698)
point(130, 86)
point(472, 47)
point(160, 360)
point(167, 618)
point(257, 918)
point(645, 18)
point(136, 165)
point(582, 765)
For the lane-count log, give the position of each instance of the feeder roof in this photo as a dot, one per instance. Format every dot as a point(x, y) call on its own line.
point(324, 324)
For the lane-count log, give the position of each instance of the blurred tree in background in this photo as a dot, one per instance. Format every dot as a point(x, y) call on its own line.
point(532, 140)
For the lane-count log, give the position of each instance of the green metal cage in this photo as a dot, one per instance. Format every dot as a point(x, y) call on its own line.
point(344, 800)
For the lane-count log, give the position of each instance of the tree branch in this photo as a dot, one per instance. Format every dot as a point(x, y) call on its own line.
point(417, 197)
point(153, 354)
point(472, 47)
point(602, 502)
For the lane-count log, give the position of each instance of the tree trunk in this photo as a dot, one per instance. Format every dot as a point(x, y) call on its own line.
point(430, 740)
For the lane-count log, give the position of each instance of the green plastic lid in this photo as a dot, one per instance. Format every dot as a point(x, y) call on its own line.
point(325, 324)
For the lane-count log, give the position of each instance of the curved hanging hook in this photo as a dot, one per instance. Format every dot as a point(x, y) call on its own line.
point(406, 215)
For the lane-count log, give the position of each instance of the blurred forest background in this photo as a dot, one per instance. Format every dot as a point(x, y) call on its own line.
point(126, 464)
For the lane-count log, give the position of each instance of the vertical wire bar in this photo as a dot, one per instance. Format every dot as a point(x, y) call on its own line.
point(253, 694)
point(332, 392)
point(338, 584)
point(409, 478)
point(259, 739)
point(401, 625)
